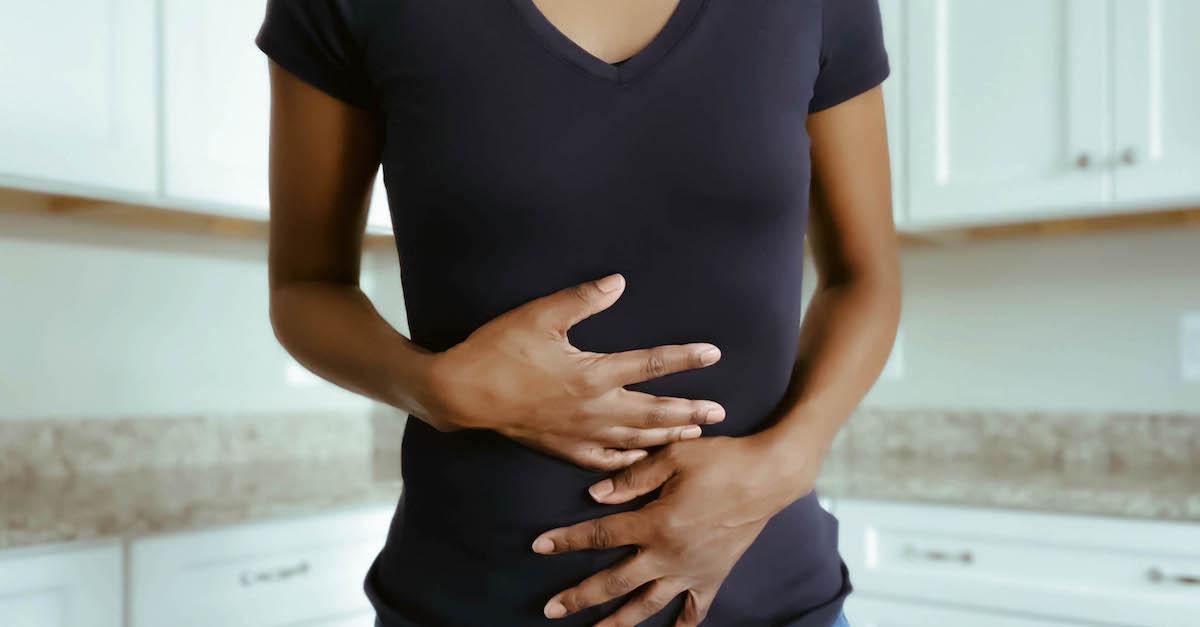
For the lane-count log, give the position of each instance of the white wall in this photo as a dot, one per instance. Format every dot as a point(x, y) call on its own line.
point(1084, 322)
point(105, 321)
point(102, 321)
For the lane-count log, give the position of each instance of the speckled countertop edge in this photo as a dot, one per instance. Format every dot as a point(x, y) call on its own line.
point(154, 501)
point(1128, 466)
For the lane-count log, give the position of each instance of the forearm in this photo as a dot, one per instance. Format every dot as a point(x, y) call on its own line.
point(335, 331)
point(845, 339)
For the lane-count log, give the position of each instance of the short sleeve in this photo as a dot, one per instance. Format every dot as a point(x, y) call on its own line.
point(853, 57)
point(316, 40)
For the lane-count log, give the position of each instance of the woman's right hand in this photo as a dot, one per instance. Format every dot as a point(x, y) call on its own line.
point(519, 375)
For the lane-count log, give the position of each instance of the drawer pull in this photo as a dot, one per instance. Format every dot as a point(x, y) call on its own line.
point(272, 575)
point(935, 555)
point(1156, 575)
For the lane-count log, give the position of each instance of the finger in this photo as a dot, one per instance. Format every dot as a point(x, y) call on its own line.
point(639, 409)
point(563, 309)
point(608, 459)
point(695, 608)
point(599, 533)
point(618, 580)
point(633, 481)
point(644, 364)
point(645, 604)
point(631, 438)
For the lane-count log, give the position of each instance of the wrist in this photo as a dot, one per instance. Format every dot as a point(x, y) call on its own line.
point(794, 455)
point(419, 388)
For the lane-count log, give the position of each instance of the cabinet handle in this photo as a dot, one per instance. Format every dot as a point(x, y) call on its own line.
point(1083, 161)
point(271, 575)
point(935, 555)
point(1128, 156)
point(1157, 575)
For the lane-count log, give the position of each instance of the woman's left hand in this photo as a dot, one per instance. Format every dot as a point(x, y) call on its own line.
point(717, 495)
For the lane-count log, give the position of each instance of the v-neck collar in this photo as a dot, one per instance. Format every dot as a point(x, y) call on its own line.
point(672, 31)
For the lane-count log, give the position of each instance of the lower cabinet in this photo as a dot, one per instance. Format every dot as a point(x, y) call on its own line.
point(293, 572)
point(870, 612)
point(67, 586)
point(912, 564)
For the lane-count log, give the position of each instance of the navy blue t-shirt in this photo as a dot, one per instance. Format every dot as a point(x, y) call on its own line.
point(517, 164)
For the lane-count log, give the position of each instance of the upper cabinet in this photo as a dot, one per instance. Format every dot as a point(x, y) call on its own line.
point(1157, 102)
point(217, 101)
point(1006, 109)
point(996, 111)
point(1034, 109)
point(79, 104)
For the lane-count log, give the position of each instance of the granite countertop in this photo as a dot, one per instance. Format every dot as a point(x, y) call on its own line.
point(1147, 494)
point(135, 503)
point(79, 480)
point(131, 504)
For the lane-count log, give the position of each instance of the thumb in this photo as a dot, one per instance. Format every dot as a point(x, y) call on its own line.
point(563, 309)
point(635, 480)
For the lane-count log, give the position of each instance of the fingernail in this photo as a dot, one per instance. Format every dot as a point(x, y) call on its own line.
point(543, 545)
point(604, 488)
point(710, 356)
point(636, 455)
point(691, 432)
point(610, 283)
point(714, 415)
point(554, 609)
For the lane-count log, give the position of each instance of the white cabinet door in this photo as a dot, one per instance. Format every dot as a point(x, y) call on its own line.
point(1081, 568)
point(304, 571)
point(869, 612)
point(78, 104)
point(1007, 109)
point(1157, 91)
point(893, 14)
point(61, 587)
point(217, 101)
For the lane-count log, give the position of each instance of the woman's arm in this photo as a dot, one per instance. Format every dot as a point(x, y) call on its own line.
point(324, 156)
point(851, 321)
point(718, 493)
point(518, 374)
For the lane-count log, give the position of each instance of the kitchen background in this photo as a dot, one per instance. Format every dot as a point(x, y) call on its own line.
point(1030, 457)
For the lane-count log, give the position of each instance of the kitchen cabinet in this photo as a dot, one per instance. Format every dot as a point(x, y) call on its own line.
point(79, 106)
point(1007, 109)
point(217, 102)
point(287, 572)
point(61, 586)
point(868, 612)
point(1075, 569)
point(1157, 102)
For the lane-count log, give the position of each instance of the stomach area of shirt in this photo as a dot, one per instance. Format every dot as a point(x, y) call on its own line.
point(469, 565)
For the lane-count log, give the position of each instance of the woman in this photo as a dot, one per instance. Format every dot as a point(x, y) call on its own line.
point(601, 260)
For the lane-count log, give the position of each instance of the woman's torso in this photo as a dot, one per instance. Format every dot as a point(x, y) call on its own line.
point(516, 165)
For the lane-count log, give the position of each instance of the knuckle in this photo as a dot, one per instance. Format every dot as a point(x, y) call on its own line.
point(583, 292)
point(657, 414)
point(656, 363)
point(624, 478)
point(586, 383)
point(632, 441)
point(617, 584)
point(600, 536)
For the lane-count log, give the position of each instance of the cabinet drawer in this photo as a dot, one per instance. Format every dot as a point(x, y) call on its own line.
point(61, 586)
point(869, 612)
point(278, 573)
point(1083, 568)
